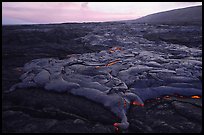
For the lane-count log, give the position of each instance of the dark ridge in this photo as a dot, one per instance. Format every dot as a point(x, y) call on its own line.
point(189, 15)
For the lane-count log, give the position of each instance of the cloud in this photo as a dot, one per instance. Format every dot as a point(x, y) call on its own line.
point(57, 12)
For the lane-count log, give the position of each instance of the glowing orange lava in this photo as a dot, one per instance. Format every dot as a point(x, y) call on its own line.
point(195, 96)
point(167, 97)
point(112, 50)
point(97, 67)
point(137, 103)
point(115, 124)
point(116, 127)
point(113, 62)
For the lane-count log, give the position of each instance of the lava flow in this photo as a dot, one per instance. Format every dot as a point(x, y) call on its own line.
point(113, 62)
point(112, 50)
point(116, 127)
point(195, 97)
point(137, 103)
point(97, 67)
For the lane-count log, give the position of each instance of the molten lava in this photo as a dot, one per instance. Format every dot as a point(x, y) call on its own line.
point(113, 62)
point(167, 97)
point(115, 124)
point(112, 50)
point(97, 67)
point(195, 97)
point(137, 103)
point(116, 127)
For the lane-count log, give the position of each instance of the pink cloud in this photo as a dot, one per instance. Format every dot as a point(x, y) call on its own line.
point(57, 12)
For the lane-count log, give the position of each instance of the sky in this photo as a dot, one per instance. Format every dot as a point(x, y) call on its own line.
point(62, 12)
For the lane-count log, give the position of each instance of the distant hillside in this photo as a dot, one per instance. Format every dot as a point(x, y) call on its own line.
point(189, 15)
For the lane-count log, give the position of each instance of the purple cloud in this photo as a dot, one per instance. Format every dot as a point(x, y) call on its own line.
point(57, 12)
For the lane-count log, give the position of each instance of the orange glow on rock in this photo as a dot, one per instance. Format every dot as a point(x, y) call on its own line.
point(115, 124)
point(97, 67)
point(113, 62)
point(118, 48)
point(142, 105)
point(125, 103)
point(116, 129)
point(112, 50)
point(137, 103)
point(195, 96)
point(167, 97)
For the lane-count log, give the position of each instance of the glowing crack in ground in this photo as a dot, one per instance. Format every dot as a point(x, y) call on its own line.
point(116, 78)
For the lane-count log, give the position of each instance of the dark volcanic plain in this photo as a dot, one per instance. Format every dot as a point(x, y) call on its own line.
point(177, 49)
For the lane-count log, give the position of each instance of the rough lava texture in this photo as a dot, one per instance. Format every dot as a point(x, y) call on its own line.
point(115, 64)
point(113, 77)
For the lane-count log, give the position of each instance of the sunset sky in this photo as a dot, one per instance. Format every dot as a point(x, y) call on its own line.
point(60, 12)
